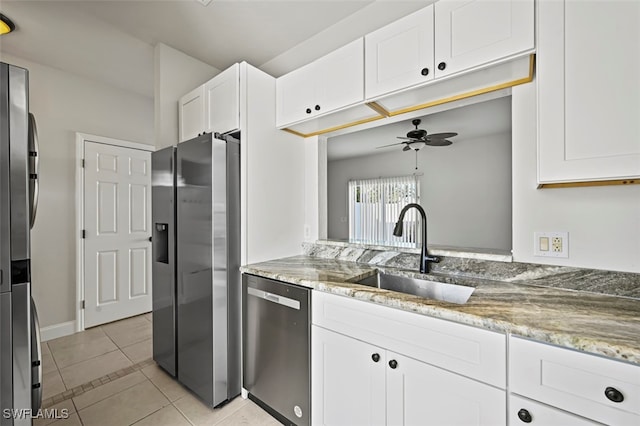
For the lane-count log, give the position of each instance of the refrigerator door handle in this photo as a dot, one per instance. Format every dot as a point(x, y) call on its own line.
point(34, 170)
point(36, 360)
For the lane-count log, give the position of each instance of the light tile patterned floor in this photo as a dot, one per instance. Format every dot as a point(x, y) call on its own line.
point(105, 376)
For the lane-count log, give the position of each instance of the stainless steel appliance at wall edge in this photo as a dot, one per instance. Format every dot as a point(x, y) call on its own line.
point(20, 353)
point(196, 260)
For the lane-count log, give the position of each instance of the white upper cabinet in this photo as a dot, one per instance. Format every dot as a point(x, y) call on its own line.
point(212, 107)
point(400, 54)
point(588, 68)
point(191, 114)
point(329, 83)
point(474, 32)
point(222, 105)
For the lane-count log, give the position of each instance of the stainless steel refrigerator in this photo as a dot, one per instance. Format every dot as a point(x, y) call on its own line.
point(20, 354)
point(196, 260)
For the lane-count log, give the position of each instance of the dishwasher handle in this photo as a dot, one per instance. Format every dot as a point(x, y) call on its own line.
point(281, 300)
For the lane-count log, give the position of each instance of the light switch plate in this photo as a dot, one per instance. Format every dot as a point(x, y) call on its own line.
point(551, 244)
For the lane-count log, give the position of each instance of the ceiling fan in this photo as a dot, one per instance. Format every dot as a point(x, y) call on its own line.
point(419, 136)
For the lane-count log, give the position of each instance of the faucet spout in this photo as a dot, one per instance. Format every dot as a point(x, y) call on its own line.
point(425, 258)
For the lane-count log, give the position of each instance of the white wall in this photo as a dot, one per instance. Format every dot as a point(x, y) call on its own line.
point(465, 189)
point(63, 104)
point(603, 222)
point(175, 74)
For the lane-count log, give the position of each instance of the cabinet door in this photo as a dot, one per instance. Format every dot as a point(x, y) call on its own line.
point(222, 107)
point(400, 54)
point(295, 95)
point(348, 386)
point(523, 409)
point(418, 393)
point(340, 78)
point(191, 114)
point(474, 32)
point(588, 102)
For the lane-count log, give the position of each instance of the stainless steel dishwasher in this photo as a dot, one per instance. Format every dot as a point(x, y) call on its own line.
point(277, 347)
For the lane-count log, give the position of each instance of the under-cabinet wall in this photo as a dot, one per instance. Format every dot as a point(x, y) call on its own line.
point(603, 221)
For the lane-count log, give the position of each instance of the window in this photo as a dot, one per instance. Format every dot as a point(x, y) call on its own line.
point(374, 207)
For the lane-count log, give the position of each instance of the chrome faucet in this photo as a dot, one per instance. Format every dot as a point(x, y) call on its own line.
point(424, 256)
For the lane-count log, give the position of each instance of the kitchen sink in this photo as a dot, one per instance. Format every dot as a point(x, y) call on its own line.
point(451, 293)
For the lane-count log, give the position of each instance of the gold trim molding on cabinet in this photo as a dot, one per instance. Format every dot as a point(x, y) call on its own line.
point(590, 183)
point(383, 112)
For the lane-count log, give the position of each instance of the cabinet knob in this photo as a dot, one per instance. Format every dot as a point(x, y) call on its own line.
point(525, 416)
point(375, 357)
point(393, 364)
point(425, 71)
point(442, 66)
point(613, 394)
point(308, 110)
point(317, 107)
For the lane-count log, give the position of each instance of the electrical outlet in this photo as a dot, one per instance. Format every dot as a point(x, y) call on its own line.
point(551, 244)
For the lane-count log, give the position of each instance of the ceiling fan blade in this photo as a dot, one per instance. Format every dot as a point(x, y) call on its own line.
point(393, 144)
point(441, 135)
point(438, 142)
point(407, 139)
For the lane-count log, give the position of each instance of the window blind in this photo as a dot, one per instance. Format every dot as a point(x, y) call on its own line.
point(374, 207)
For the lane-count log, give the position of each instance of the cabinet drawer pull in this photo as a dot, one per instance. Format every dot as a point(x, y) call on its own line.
point(308, 110)
point(442, 66)
point(375, 357)
point(525, 416)
point(393, 364)
point(424, 71)
point(613, 394)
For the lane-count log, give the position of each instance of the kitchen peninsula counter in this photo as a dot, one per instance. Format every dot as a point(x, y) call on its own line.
point(530, 305)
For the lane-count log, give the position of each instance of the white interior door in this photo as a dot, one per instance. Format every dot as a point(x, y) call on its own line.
point(117, 217)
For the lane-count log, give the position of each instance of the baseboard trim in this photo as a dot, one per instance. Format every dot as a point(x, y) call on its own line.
point(57, 330)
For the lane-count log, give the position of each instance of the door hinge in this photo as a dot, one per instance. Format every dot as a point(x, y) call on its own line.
point(84, 234)
point(82, 305)
point(82, 163)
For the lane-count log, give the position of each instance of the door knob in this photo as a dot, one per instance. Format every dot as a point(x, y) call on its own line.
point(150, 239)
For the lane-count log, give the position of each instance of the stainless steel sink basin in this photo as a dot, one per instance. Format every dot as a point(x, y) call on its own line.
point(451, 293)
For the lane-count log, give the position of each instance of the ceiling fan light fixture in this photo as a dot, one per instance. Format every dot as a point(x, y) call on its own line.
point(6, 25)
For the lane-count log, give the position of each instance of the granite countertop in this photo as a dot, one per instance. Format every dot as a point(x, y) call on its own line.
point(595, 323)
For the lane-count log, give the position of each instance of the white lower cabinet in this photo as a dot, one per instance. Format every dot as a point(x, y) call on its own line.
point(347, 385)
point(353, 382)
point(373, 365)
point(524, 411)
point(597, 388)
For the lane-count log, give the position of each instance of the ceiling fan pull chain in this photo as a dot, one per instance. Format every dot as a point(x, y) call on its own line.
point(416, 159)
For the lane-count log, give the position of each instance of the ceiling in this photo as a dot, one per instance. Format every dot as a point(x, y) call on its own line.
point(112, 41)
point(471, 122)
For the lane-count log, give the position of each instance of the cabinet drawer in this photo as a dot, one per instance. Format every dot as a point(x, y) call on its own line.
point(541, 414)
point(575, 381)
point(470, 351)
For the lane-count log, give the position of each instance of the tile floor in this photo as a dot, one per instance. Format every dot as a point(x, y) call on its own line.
point(105, 376)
